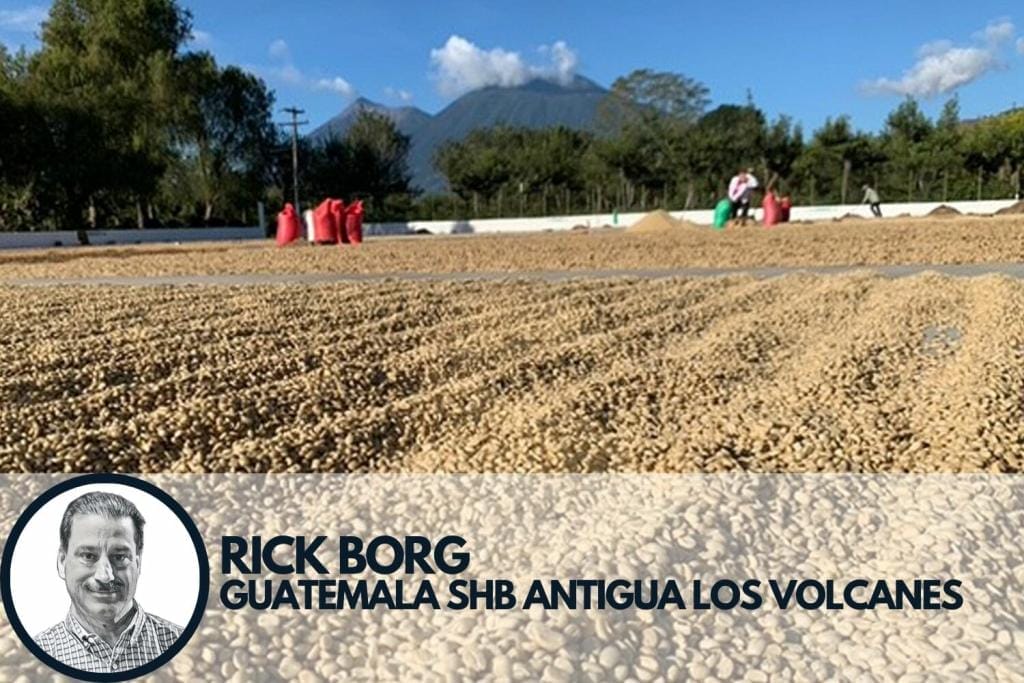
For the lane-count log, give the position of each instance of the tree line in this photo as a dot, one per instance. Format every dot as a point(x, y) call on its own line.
point(113, 122)
point(656, 145)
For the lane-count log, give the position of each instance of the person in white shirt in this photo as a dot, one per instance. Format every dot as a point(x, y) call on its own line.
point(741, 187)
point(871, 197)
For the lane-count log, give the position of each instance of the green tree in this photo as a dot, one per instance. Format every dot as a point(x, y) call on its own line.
point(945, 146)
point(21, 140)
point(552, 156)
point(13, 68)
point(995, 147)
point(651, 116)
point(224, 133)
point(379, 158)
point(984, 151)
point(491, 166)
point(481, 164)
point(783, 144)
point(110, 62)
point(653, 96)
point(906, 141)
point(369, 163)
point(726, 139)
point(835, 160)
point(1012, 125)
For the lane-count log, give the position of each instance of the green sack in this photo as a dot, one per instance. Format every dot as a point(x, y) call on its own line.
point(723, 211)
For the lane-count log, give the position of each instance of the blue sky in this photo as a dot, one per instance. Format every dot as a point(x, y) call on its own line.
point(808, 59)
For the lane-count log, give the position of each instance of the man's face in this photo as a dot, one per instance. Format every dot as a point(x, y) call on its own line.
point(100, 566)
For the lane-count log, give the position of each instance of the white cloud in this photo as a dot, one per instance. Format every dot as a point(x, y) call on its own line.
point(279, 49)
point(403, 96)
point(997, 32)
point(936, 47)
point(24, 19)
point(287, 73)
point(201, 38)
point(337, 84)
point(942, 67)
point(939, 73)
point(461, 66)
point(563, 62)
point(291, 76)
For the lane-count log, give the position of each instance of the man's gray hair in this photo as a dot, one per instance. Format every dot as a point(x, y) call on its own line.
point(110, 505)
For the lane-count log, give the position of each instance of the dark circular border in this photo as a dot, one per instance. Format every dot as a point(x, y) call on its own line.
point(183, 517)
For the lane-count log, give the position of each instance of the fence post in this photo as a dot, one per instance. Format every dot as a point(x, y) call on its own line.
point(846, 178)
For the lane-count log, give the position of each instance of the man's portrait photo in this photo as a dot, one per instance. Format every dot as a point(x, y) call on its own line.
point(100, 557)
point(104, 578)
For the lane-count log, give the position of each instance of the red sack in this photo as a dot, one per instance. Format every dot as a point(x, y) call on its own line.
point(770, 206)
point(288, 228)
point(324, 229)
point(338, 216)
point(354, 222)
point(784, 206)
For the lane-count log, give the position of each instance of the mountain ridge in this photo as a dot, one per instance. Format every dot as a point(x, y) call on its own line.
point(538, 103)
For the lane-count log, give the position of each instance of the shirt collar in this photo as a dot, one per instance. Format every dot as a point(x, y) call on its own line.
point(132, 630)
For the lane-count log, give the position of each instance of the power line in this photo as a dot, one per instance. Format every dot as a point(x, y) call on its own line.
point(295, 123)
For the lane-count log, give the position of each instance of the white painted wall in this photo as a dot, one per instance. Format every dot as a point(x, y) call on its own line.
point(12, 240)
point(817, 213)
point(700, 217)
point(66, 238)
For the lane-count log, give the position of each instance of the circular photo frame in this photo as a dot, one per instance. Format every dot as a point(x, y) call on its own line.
point(102, 572)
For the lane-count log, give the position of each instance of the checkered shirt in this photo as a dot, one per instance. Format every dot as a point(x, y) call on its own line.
point(144, 639)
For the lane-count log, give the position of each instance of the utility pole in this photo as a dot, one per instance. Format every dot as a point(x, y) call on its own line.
point(295, 123)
